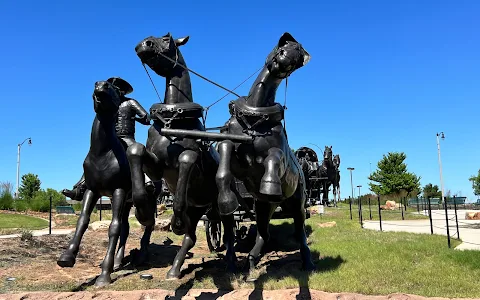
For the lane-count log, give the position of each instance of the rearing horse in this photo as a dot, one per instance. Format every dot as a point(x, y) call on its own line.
point(268, 167)
point(187, 166)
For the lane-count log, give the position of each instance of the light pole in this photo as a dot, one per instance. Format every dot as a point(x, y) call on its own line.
point(351, 178)
point(18, 162)
point(442, 136)
point(359, 186)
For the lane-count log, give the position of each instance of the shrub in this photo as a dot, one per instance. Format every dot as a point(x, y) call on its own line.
point(20, 205)
point(6, 198)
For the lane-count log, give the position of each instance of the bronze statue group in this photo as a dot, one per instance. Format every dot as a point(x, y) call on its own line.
point(252, 147)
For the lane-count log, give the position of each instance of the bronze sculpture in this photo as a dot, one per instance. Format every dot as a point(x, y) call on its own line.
point(331, 172)
point(268, 167)
point(107, 173)
point(188, 166)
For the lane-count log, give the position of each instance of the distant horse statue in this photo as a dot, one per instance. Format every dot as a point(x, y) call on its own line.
point(107, 173)
point(336, 179)
point(268, 167)
point(327, 170)
point(188, 166)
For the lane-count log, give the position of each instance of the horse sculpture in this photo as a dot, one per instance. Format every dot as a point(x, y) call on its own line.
point(336, 179)
point(268, 167)
point(307, 158)
point(188, 166)
point(328, 170)
point(107, 173)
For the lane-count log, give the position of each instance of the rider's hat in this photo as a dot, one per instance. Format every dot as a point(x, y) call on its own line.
point(121, 84)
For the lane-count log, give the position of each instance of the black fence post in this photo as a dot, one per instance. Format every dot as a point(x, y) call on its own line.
point(401, 207)
point(50, 219)
point(379, 213)
point(370, 208)
point(418, 205)
point(350, 201)
point(430, 215)
point(446, 220)
point(100, 208)
point(405, 203)
point(360, 213)
point(456, 217)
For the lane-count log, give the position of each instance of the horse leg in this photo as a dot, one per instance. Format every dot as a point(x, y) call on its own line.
point(274, 169)
point(186, 162)
point(227, 201)
point(118, 203)
point(263, 214)
point(229, 242)
point(67, 259)
point(124, 232)
point(297, 204)
point(137, 155)
point(189, 240)
point(153, 189)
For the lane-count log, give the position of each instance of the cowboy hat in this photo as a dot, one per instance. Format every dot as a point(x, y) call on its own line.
point(121, 84)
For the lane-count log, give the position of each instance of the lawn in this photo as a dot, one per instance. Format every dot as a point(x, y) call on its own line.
point(348, 259)
point(12, 222)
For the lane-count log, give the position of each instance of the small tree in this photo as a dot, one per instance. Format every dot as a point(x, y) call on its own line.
point(6, 198)
point(392, 177)
point(431, 191)
point(29, 186)
point(475, 183)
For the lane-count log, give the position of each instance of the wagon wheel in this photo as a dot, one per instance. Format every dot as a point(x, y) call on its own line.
point(213, 231)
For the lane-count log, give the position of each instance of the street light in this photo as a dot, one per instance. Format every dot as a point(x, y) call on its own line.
point(351, 178)
point(359, 186)
point(442, 136)
point(18, 162)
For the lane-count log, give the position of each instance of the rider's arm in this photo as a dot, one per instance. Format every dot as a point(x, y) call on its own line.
point(144, 117)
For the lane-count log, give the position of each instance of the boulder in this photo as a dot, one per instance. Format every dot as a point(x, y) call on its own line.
point(99, 225)
point(327, 224)
point(162, 224)
point(472, 215)
point(391, 205)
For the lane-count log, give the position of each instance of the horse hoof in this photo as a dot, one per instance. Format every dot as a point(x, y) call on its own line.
point(172, 275)
point(103, 280)
point(66, 260)
point(178, 226)
point(227, 203)
point(272, 188)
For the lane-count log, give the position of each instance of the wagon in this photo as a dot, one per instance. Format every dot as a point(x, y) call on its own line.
point(314, 186)
point(245, 213)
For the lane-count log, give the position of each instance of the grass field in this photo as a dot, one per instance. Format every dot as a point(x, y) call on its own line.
point(12, 223)
point(348, 259)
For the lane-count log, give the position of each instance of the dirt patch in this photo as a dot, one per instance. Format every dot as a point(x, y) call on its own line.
point(212, 294)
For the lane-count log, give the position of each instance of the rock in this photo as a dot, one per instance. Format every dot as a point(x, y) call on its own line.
point(327, 224)
point(161, 207)
point(99, 225)
point(472, 215)
point(161, 224)
point(391, 205)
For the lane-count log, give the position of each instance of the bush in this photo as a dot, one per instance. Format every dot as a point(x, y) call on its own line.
point(20, 205)
point(40, 202)
point(77, 206)
point(6, 198)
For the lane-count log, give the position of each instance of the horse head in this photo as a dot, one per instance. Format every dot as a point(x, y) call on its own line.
point(327, 154)
point(336, 161)
point(106, 97)
point(287, 56)
point(153, 51)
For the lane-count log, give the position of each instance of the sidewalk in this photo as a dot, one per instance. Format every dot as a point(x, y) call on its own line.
point(469, 229)
point(40, 233)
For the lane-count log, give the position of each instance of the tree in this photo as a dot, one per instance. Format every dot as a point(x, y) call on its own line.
point(475, 183)
point(41, 200)
point(392, 177)
point(431, 191)
point(29, 186)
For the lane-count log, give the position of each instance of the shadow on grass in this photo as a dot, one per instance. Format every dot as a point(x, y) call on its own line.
point(279, 265)
point(160, 256)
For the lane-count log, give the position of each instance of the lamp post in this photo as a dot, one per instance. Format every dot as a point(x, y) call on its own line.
point(351, 178)
point(359, 186)
point(442, 136)
point(360, 214)
point(19, 146)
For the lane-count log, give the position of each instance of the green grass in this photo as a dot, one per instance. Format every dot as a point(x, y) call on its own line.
point(343, 212)
point(10, 221)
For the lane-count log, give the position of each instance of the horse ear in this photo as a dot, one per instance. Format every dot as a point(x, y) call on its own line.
point(286, 37)
point(181, 41)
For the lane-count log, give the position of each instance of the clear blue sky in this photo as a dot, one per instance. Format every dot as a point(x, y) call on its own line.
point(384, 76)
